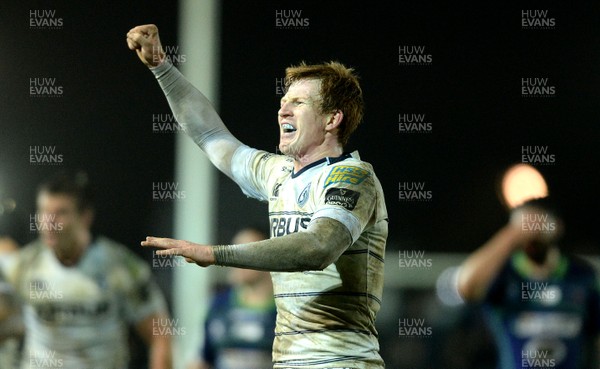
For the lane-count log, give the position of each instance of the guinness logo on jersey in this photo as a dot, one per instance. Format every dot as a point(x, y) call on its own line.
point(342, 197)
point(303, 195)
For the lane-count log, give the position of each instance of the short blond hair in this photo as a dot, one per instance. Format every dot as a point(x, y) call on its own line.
point(340, 90)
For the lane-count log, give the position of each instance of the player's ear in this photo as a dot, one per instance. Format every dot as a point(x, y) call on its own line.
point(334, 120)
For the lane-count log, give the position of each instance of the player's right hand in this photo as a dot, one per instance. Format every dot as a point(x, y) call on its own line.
point(203, 255)
point(145, 41)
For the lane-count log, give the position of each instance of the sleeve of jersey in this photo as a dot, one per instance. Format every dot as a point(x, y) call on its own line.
point(251, 170)
point(347, 194)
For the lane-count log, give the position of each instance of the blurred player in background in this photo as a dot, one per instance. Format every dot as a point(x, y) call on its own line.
point(327, 211)
point(239, 327)
point(13, 234)
point(11, 325)
point(542, 305)
point(81, 291)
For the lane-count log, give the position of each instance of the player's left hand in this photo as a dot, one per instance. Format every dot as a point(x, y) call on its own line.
point(192, 252)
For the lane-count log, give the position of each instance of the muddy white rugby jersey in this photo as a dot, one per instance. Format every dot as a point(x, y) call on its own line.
point(325, 319)
point(76, 317)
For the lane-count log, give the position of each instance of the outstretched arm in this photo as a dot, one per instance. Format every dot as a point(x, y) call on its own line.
point(479, 270)
point(190, 107)
point(320, 245)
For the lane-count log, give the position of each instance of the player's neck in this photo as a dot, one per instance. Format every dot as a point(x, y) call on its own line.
point(70, 253)
point(311, 156)
point(544, 270)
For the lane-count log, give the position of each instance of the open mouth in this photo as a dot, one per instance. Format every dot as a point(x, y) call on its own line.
point(287, 128)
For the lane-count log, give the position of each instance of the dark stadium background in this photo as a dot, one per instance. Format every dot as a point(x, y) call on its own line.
point(471, 93)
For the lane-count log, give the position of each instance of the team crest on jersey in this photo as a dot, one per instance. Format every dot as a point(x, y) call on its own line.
point(303, 196)
point(346, 174)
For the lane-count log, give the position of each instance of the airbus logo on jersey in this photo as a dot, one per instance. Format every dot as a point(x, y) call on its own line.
point(346, 174)
point(280, 226)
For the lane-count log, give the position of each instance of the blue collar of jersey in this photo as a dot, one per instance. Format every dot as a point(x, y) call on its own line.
point(329, 161)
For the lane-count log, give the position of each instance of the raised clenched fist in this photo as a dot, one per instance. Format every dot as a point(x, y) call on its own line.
point(145, 41)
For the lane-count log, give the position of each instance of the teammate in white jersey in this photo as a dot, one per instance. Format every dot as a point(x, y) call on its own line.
point(327, 212)
point(80, 292)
